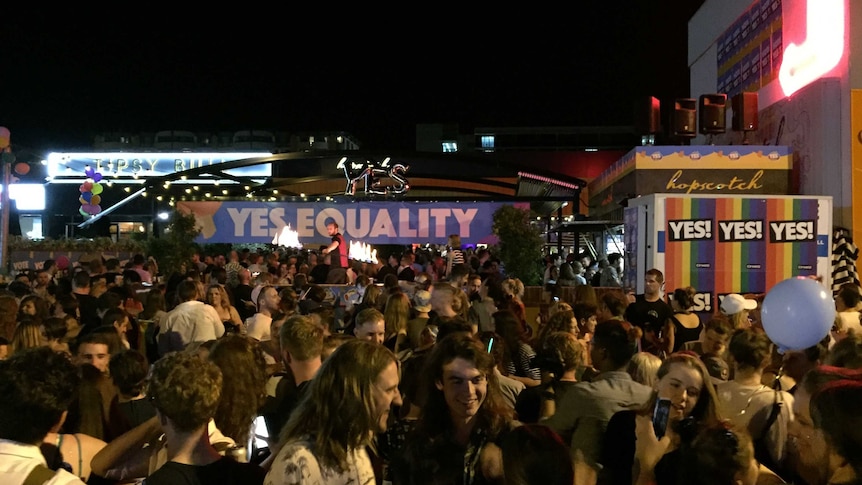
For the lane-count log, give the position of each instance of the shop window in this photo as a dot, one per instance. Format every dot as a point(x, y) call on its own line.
point(31, 226)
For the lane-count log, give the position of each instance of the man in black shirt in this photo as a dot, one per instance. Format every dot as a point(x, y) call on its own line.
point(389, 267)
point(653, 315)
point(185, 391)
point(320, 271)
point(90, 318)
point(241, 294)
point(301, 342)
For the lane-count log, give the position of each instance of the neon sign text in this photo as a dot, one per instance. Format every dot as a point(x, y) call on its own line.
point(822, 49)
point(369, 173)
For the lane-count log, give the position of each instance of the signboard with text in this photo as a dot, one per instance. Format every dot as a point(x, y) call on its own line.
point(369, 222)
point(127, 166)
point(721, 245)
point(693, 170)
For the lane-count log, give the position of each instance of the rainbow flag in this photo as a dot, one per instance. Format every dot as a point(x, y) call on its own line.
point(738, 245)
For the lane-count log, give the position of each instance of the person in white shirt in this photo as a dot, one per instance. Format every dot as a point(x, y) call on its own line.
point(258, 325)
point(847, 307)
point(190, 321)
point(38, 386)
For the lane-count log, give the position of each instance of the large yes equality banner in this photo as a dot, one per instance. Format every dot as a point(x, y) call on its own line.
point(368, 222)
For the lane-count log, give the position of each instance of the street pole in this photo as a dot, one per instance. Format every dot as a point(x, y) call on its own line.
point(7, 158)
point(4, 220)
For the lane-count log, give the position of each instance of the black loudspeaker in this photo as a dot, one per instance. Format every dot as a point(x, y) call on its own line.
point(744, 106)
point(684, 117)
point(648, 116)
point(713, 113)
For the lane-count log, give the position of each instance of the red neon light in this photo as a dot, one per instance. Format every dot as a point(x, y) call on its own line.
point(822, 49)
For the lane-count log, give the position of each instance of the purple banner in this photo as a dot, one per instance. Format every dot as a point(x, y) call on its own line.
point(368, 222)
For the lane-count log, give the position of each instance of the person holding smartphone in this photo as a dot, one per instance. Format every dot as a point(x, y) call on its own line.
point(643, 444)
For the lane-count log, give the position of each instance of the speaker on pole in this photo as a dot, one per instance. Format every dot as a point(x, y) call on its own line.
point(713, 112)
point(684, 117)
point(647, 119)
point(744, 117)
point(648, 115)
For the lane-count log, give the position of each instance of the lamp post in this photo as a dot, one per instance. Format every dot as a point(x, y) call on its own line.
point(7, 158)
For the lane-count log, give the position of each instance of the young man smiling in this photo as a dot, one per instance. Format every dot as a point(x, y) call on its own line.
point(462, 418)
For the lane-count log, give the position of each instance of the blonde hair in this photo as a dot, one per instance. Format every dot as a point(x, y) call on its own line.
point(572, 351)
point(643, 367)
point(28, 334)
point(225, 299)
point(514, 287)
point(559, 306)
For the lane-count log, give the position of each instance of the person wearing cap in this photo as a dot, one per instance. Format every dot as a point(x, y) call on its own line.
point(718, 369)
point(421, 307)
point(713, 340)
point(736, 308)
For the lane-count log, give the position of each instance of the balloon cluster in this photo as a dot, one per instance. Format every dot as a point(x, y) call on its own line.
point(90, 190)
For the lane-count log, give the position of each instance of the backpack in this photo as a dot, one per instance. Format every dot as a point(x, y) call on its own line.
point(761, 450)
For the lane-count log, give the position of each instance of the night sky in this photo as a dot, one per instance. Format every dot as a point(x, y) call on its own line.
point(63, 82)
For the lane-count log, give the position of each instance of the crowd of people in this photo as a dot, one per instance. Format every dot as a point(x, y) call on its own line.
point(248, 368)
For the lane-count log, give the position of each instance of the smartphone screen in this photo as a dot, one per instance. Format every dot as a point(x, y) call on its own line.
point(660, 416)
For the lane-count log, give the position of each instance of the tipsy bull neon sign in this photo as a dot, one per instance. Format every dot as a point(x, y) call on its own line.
point(369, 173)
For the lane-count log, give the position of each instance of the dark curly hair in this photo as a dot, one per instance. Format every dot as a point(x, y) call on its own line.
point(129, 372)
point(37, 386)
point(186, 389)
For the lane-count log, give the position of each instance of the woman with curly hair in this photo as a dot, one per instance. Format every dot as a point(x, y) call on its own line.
point(243, 367)
point(560, 321)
